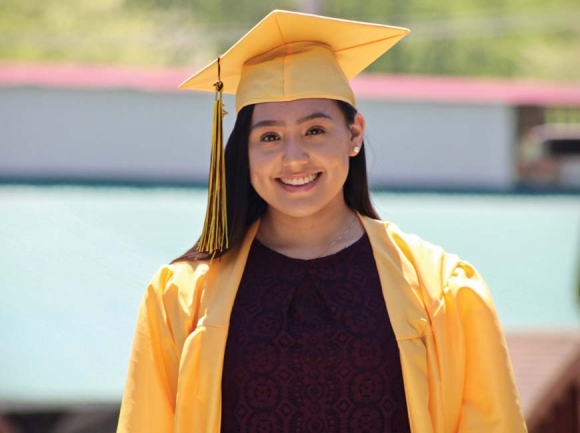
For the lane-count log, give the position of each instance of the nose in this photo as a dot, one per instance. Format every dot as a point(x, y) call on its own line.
point(295, 152)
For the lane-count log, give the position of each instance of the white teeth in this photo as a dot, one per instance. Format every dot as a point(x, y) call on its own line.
point(297, 181)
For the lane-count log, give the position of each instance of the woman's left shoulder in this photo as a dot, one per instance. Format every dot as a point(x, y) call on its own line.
point(409, 246)
point(439, 273)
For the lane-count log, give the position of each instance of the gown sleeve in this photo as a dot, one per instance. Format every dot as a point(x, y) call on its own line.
point(489, 397)
point(149, 399)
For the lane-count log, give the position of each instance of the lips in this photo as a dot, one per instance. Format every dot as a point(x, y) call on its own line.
point(298, 181)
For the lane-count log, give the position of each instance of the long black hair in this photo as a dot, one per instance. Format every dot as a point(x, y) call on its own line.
point(245, 206)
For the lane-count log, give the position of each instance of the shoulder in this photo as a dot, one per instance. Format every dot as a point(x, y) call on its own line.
point(409, 247)
point(179, 273)
point(172, 299)
point(177, 285)
point(438, 273)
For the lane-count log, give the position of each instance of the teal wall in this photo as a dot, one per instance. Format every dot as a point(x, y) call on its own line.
point(74, 262)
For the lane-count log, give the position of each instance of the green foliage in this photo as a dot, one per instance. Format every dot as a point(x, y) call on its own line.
point(513, 38)
point(508, 38)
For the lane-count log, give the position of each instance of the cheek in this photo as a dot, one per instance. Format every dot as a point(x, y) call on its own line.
point(253, 165)
point(258, 165)
point(339, 154)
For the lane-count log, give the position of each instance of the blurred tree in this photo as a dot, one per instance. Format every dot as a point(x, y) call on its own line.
point(506, 38)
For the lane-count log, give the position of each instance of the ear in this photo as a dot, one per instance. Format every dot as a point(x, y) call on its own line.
point(357, 130)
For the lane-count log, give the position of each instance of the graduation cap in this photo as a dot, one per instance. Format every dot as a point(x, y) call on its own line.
point(285, 57)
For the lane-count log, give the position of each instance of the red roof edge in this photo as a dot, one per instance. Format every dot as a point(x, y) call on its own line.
point(365, 86)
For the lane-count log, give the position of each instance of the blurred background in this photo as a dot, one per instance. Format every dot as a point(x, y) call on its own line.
point(473, 143)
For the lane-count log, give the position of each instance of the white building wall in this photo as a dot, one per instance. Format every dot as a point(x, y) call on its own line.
point(123, 135)
point(440, 145)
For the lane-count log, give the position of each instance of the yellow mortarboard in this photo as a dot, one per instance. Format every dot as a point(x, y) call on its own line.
point(290, 55)
point(286, 56)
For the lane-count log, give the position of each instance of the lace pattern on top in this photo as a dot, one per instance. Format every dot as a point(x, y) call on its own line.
point(311, 348)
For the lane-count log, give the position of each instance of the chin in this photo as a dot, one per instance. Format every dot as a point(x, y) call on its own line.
point(299, 210)
point(302, 205)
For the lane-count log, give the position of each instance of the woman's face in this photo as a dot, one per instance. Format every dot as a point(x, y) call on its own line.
point(299, 154)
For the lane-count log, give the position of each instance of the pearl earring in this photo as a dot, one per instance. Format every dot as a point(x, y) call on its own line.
point(356, 149)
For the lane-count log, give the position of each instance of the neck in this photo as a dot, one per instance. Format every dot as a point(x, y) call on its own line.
point(324, 233)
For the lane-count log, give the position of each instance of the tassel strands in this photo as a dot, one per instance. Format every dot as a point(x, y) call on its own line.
point(214, 236)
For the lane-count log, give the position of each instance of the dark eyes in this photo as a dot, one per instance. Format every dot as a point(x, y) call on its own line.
point(270, 136)
point(315, 131)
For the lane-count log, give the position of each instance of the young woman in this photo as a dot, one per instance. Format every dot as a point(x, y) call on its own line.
point(311, 315)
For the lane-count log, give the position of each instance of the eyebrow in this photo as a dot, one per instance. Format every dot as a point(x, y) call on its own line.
point(312, 116)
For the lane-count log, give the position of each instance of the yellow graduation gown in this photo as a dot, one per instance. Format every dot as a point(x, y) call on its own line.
point(454, 358)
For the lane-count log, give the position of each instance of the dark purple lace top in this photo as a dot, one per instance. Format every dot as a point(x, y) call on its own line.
point(311, 348)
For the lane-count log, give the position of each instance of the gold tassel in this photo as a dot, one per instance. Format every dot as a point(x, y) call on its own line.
point(214, 236)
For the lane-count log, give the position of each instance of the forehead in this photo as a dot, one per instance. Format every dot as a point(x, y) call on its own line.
point(295, 109)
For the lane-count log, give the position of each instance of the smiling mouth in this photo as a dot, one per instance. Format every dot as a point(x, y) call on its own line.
point(298, 181)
